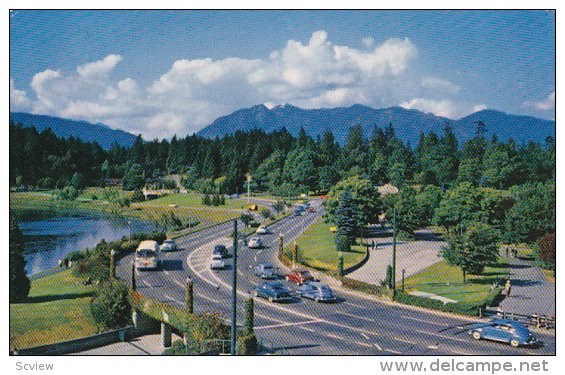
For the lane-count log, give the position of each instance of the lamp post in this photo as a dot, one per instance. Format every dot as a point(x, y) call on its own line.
point(133, 285)
point(113, 264)
point(403, 272)
point(248, 175)
point(189, 295)
point(393, 281)
point(129, 227)
point(234, 291)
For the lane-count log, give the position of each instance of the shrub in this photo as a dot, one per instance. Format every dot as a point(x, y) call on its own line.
point(546, 253)
point(364, 287)
point(111, 306)
point(177, 348)
point(388, 278)
point(73, 256)
point(247, 345)
point(266, 213)
point(343, 243)
point(470, 309)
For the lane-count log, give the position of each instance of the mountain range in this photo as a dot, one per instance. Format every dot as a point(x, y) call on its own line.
point(86, 131)
point(407, 123)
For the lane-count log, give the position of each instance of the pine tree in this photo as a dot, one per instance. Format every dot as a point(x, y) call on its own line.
point(346, 216)
point(19, 282)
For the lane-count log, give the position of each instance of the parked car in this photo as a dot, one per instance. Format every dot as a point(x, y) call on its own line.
point(168, 245)
point(319, 292)
point(221, 251)
point(299, 211)
point(300, 276)
point(262, 230)
point(255, 243)
point(265, 271)
point(503, 330)
point(217, 262)
point(273, 291)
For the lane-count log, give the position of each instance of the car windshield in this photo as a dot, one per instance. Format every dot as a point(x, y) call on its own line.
point(145, 253)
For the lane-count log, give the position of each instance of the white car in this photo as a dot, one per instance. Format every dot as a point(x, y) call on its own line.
point(255, 243)
point(262, 230)
point(168, 245)
point(217, 262)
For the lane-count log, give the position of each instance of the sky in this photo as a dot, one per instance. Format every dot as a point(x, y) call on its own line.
point(161, 73)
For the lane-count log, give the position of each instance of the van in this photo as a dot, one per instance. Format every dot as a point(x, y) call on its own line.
point(147, 255)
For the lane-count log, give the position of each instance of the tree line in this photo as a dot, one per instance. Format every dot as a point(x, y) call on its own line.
point(280, 163)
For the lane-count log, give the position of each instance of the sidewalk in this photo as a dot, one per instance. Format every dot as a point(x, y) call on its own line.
point(412, 256)
point(531, 293)
point(143, 345)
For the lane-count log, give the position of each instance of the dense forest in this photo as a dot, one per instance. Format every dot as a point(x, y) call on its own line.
point(280, 163)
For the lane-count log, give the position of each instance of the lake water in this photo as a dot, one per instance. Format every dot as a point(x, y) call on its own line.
point(49, 238)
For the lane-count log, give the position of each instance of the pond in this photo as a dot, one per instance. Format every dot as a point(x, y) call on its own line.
point(50, 236)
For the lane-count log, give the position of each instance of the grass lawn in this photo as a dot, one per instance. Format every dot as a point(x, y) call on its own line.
point(316, 249)
point(58, 309)
point(447, 281)
point(192, 200)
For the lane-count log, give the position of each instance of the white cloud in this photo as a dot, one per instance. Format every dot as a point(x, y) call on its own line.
point(18, 98)
point(439, 85)
point(479, 107)
point(194, 92)
point(368, 41)
point(444, 108)
point(544, 105)
point(99, 68)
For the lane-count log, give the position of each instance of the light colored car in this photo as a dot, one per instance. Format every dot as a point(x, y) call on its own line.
point(168, 245)
point(503, 330)
point(255, 243)
point(265, 271)
point(319, 292)
point(217, 262)
point(262, 230)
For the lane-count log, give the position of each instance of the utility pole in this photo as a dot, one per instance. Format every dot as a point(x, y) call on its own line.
point(234, 291)
point(113, 264)
point(248, 175)
point(133, 286)
point(394, 255)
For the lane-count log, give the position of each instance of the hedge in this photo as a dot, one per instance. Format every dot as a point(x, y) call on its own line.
point(470, 309)
point(247, 345)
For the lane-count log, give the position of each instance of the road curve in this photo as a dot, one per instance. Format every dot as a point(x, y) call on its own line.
point(357, 325)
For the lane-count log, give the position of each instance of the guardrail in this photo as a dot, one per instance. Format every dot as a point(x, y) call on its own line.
point(538, 321)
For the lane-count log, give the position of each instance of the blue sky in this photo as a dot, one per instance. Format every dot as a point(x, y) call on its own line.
point(161, 73)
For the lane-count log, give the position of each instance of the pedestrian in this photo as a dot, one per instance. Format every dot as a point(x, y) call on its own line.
point(506, 251)
point(373, 244)
point(514, 253)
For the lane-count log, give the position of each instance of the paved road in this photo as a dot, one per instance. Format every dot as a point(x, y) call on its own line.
point(531, 293)
point(357, 325)
point(411, 256)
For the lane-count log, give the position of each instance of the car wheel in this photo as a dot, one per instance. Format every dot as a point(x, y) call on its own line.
point(514, 343)
point(476, 335)
point(317, 299)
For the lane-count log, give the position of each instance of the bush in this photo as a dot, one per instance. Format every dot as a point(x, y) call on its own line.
point(111, 306)
point(388, 278)
point(343, 243)
point(247, 345)
point(137, 196)
point(364, 287)
point(266, 213)
point(73, 256)
point(546, 252)
point(460, 308)
point(177, 348)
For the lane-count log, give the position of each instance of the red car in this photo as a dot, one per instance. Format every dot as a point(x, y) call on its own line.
point(300, 276)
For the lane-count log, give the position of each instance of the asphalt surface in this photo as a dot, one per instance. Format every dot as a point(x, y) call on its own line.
point(357, 324)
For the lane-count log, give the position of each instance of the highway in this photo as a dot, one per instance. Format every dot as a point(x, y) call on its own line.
point(358, 324)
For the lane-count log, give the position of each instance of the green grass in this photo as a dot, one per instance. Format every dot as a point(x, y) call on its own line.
point(316, 249)
point(192, 200)
point(447, 281)
point(58, 309)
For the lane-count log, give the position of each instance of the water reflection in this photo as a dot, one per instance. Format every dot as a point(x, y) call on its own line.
point(49, 239)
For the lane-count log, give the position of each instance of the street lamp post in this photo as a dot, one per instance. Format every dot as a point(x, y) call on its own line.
point(129, 227)
point(403, 272)
point(113, 264)
point(393, 281)
point(234, 291)
point(133, 285)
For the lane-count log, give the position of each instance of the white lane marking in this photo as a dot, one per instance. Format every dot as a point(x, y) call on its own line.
point(286, 324)
point(172, 299)
point(356, 317)
point(356, 305)
point(424, 321)
point(374, 343)
point(166, 272)
point(146, 283)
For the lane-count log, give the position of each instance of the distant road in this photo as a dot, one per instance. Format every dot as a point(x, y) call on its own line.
point(358, 325)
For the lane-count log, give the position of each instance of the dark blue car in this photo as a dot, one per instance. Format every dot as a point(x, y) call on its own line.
point(273, 291)
point(503, 330)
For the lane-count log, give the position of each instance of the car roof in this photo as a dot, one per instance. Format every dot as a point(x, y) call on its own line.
point(509, 322)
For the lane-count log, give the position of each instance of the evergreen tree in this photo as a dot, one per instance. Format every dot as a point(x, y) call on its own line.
point(346, 216)
point(19, 282)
